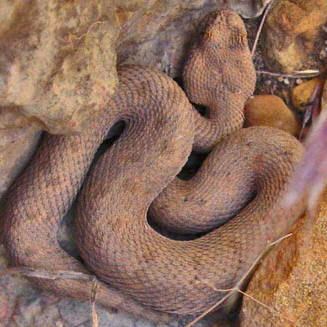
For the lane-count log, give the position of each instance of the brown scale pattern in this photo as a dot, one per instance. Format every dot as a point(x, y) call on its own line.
point(220, 75)
point(244, 177)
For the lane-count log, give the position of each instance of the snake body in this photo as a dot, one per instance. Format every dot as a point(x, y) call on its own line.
point(243, 177)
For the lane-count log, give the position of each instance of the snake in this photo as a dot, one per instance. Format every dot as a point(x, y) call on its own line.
point(230, 207)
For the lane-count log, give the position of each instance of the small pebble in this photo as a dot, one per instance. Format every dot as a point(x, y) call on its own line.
point(286, 81)
point(299, 81)
point(280, 79)
point(270, 110)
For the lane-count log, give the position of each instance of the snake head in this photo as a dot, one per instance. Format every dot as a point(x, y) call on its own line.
point(225, 30)
point(220, 69)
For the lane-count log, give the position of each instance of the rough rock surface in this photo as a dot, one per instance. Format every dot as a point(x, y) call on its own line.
point(57, 61)
point(295, 34)
point(270, 110)
point(16, 145)
point(292, 279)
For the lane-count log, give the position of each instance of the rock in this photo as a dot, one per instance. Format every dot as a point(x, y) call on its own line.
point(293, 31)
point(58, 59)
point(302, 94)
point(16, 145)
point(291, 280)
point(270, 110)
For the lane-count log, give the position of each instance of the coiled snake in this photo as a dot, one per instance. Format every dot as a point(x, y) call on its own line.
point(243, 177)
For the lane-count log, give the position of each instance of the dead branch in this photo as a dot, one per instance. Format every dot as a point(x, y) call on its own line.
point(297, 74)
point(256, 40)
point(94, 315)
point(46, 274)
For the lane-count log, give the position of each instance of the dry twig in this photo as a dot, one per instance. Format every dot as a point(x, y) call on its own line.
point(297, 74)
point(95, 320)
point(46, 274)
point(256, 40)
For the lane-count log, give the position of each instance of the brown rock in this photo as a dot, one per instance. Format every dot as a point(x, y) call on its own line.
point(16, 146)
point(292, 33)
point(291, 280)
point(302, 94)
point(57, 60)
point(270, 110)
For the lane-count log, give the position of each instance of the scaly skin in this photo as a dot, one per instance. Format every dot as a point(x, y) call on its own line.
point(244, 176)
